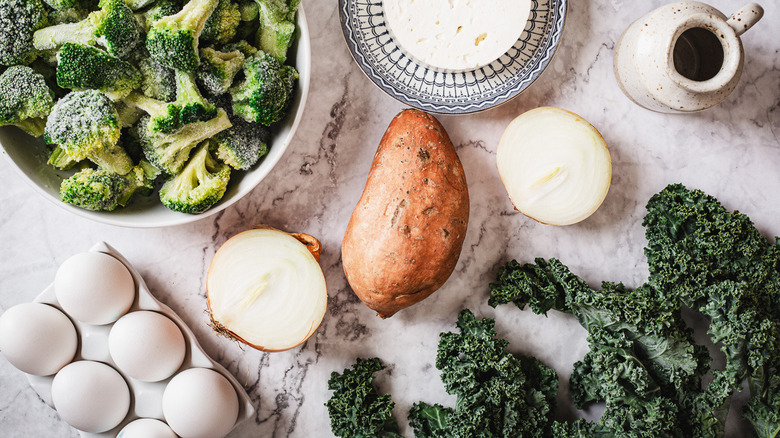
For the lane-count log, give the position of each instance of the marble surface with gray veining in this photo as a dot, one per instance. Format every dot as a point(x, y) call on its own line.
point(731, 151)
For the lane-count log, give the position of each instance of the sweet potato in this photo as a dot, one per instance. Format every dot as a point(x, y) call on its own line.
point(405, 235)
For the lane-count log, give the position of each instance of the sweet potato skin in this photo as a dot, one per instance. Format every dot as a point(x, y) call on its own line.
point(405, 235)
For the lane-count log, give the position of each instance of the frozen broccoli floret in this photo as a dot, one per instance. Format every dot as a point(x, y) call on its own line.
point(59, 159)
point(85, 125)
point(138, 4)
point(113, 26)
point(158, 81)
point(102, 190)
point(173, 40)
point(128, 115)
point(242, 46)
point(25, 99)
point(200, 184)
point(189, 106)
point(19, 19)
point(217, 69)
point(265, 94)
point(242, 145)
point(221, 25)
point(160, 9)
point(277, 26)
point(249, 9)
point(169, 152)
point(84, 67)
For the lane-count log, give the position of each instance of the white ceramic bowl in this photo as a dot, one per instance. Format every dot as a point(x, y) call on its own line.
point(27, 155)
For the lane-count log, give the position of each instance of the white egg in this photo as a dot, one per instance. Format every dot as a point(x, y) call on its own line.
point(37, 338)
point(90, 396)
point(146, 346)
point(94, 288)
point(146, 428)
point(200, 403)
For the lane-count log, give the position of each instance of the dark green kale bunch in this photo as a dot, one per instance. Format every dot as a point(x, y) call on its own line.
point(356, 409)
point(643, 362)
point(498, 394)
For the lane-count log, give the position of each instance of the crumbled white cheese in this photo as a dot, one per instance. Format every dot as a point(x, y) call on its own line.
point(456, 35)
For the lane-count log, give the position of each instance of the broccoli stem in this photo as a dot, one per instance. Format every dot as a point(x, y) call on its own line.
point(52, 37)
point(33, 126)
point(186, 89)
point(60, 159)
point(193, 15)
point(114, 159)
point(145, 103)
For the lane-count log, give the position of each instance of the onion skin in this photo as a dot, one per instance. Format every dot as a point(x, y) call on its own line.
point(406, 233)
point(313, 245)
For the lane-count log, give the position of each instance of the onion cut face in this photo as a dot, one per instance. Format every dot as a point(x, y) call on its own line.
point(266, 289)
point(555, 166)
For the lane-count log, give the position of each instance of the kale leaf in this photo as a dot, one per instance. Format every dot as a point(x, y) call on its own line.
point(356, 409)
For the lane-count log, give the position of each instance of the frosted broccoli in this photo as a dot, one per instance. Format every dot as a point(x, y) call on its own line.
point(189, 106)
point(243, 144)
point(84, 67)
point(101, 190)
point(169, 152)
point(25, 99)
point(217, 69)
point(173, 40)
point(200, 184)
point(86, 126)
point(265, 94)
point(19, 19)
point(221, 25)
point(113, 26)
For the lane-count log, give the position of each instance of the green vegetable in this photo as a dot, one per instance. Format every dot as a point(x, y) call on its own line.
point(356, 409)
point(199, 185)
point(169, 152)
point(243, 144)
point(173, 39)
point(718, 263)
point(25, 99)
point(265, 94)
point(19, 19)
point(643, 362)
point(221, 25)
point(498, 394)
point(101, 190)
point(89, 68)
point(85, 125)
point(81, 78)
point(113, 26)
point(217, 69)
point(189, 106)
point(277, 26)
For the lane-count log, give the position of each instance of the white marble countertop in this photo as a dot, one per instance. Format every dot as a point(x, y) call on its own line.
point(731, 151)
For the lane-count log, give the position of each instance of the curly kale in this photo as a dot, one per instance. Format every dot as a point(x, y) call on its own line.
point(643, 362)
point(356, 409)
point(718, 263)
point(498, 394)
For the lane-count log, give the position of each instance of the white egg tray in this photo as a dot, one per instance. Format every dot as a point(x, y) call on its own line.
point(146, 397)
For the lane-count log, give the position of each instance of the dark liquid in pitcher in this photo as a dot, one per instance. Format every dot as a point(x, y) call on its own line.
point(698, 54)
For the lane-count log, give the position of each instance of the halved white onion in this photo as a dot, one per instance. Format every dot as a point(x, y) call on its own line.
point(555, 166)
point(266, 289)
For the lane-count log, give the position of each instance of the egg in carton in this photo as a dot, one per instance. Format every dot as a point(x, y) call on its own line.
point(120, 363)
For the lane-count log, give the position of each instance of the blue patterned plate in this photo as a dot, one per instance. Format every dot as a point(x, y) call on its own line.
point(470, 91)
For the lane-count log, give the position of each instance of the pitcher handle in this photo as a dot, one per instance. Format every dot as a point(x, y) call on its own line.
point(745, 17)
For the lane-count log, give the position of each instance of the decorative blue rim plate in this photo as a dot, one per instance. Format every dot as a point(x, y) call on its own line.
point(375, 51)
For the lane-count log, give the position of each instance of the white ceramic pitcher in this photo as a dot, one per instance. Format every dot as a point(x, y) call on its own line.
point(685, 56)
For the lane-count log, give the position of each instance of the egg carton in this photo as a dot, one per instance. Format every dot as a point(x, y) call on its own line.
point(146, 397)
